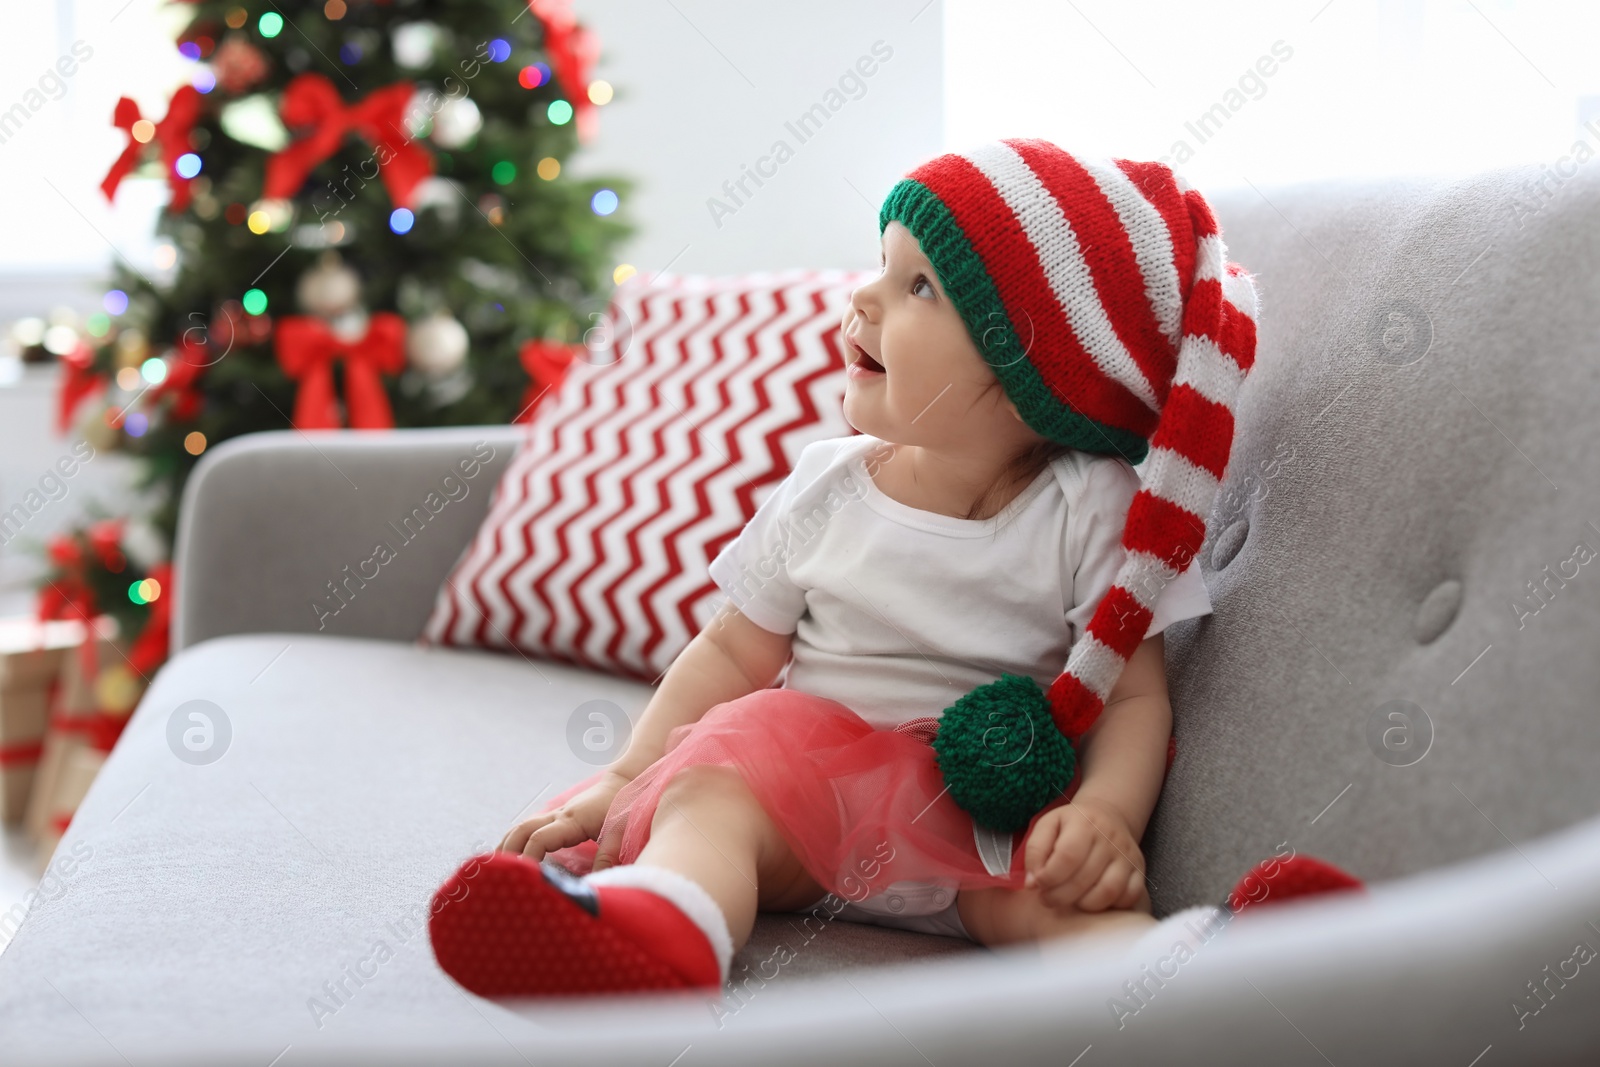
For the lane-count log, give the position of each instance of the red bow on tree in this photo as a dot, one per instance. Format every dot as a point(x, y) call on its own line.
point(547, 363)
point(189, 358)
point(306, 350)
point(573, 53)
point(70, 594)
point(312, 100)
point(172, 134)
point(78, 383)
point(67, 596)
point(105, 537)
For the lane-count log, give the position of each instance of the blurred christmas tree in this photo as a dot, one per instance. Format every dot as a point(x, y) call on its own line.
point(371, 225)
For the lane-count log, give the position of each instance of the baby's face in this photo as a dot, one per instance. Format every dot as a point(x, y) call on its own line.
point(930, 388)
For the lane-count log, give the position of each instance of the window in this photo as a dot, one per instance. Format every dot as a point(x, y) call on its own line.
point(1263, 91)
point(56, 137)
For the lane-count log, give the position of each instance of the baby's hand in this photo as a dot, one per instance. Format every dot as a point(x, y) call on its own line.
point(580, 819)
point(1084, 853)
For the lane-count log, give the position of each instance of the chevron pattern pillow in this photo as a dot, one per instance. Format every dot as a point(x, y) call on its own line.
point(654, 452)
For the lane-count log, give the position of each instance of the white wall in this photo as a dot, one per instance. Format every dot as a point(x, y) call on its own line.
point(55, 219)
point(31, 456)
point(704, 90)
point(1369, 88)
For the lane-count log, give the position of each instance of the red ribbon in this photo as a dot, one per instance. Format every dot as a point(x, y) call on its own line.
point(23, 753)
point(306, 350)
point(311, 100)
point(574, 51)
point(172, 134)
point(547, 363)
point(99, 728)
point(78, 383)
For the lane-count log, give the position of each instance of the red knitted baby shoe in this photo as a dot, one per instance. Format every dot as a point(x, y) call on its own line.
point(1275, 880)
point(505, 926)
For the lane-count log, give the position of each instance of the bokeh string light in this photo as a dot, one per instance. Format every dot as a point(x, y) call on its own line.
point(145, 591)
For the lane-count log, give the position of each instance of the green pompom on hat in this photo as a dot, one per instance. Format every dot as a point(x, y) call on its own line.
point(1001, 754)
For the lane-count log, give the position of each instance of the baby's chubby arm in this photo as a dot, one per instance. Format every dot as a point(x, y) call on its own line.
point(729, 658)
point(1086, 852)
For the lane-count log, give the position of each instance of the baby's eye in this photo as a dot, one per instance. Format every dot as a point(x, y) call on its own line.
point(922, 280)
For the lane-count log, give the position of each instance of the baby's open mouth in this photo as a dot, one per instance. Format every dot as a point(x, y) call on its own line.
point(866, 361)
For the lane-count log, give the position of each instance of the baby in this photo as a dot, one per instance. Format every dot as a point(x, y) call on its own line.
point(882, 703)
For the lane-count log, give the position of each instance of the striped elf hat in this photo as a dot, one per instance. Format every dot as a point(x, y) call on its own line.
point(1100, 293)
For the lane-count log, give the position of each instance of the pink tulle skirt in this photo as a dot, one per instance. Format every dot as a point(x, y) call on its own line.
point(861, 807)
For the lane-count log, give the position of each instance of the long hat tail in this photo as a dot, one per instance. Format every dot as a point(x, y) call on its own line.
point(1189, 452)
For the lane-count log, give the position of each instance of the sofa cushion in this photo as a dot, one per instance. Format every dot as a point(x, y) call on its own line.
point(656, 451)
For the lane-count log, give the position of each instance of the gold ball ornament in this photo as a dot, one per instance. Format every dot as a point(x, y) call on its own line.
point(132, 348)
point(117, 689)
point(98, 430)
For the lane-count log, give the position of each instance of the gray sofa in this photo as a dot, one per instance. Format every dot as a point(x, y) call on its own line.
point(1400, 676)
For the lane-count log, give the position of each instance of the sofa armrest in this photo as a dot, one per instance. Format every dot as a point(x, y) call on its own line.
point(333, 531)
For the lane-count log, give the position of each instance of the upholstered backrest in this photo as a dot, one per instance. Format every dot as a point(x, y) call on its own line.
point(1403, 663)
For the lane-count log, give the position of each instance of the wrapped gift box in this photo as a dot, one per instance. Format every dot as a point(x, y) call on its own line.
point(79, 766)
point(30, 663)
point(93, 696)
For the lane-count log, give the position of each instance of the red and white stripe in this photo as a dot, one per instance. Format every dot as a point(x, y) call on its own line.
point(1119, 269)
point(1193, 438)
point(649, 459)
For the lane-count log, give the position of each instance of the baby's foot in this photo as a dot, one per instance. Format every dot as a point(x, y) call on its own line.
point(1275, 880)
point(505, 926)
point(1269, 882)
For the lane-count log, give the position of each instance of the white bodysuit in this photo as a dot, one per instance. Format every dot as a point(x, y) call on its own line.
point(898, 612)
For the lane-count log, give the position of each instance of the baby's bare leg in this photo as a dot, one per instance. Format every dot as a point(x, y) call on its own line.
point(709, 827)
point(1001, 916)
